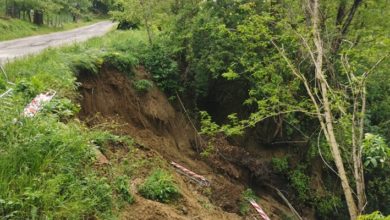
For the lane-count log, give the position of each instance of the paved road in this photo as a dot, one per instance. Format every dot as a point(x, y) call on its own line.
point(20, 47)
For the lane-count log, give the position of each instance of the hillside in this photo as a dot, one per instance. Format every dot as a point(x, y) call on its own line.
point(200, 110)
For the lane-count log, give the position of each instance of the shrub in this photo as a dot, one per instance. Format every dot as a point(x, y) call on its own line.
point(159, 186)
point(326, 206)
point(280, 164)
point(88, 61)
point(374, 216)
point(246, 195)
point(122, 189)
point(121, 61)
point(142, 85)
point(163, 67)
point(300, 182)
point(63, 108)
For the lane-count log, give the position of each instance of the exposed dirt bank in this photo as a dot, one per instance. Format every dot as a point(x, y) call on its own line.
point(154, 124)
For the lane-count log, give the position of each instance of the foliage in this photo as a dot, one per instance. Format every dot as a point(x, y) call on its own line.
point(280, 164)
point(159, 186)
point(122, 188)
point(63, 108)
point(373, 216)
point(247, 195)
point(121, 61)
point(327, 205)
point(142, 85)
point(300, 182)
point(208, 151)
point(376, 152)
point(49, 159)
point(47, 164)
point(164, 69)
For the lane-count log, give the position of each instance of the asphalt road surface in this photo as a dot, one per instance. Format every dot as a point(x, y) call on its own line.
point(12, 49)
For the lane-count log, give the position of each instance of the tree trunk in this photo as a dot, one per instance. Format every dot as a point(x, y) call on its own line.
point(146, 20)
point(38, 17)
point(328, 125)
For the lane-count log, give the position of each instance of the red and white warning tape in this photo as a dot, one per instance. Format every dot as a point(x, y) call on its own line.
point(259, 209)
point(193, 176)
point(37, 103)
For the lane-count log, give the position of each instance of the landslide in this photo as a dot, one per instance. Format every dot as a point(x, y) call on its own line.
point(161, 130)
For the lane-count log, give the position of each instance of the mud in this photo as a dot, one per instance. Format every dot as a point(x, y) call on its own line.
point(152, 121)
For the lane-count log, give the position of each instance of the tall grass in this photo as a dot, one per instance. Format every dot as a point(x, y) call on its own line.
point(46, 165)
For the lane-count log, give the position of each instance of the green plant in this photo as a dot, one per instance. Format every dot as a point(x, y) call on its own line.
point(374, 216)
point(375, 151)
point(245, 206)
point(159, 186)
point(142, 85)
point(63, 108)
point(122, 61)
point(122, 188)
point(164, 69)
point(209, 150)
point(280, 164)
point(300, 182)
point(327, 205)
point(208, 127)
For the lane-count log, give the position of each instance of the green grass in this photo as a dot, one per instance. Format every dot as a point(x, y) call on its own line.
point(46, 163)
point(159, 186)
point(15, 28)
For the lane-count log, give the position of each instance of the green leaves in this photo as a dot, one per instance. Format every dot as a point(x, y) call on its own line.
point(159, 186)
point(375, 150)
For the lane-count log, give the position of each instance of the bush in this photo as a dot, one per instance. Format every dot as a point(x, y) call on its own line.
point(142, 85)
point(163, 67)
point(280, 164)
point(122, 189)
point(121, 61)
point(374, 216)
point(245, 206)
point(63, 108)
point(326, 206)
point(300, 182)
point(159, 186)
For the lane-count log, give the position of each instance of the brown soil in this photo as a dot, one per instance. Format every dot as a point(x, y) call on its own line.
point(151, 120)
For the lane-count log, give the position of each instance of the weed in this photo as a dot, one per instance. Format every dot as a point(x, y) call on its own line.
point(210, 149)
point(122, 188)
point(142, 85)
point(124, 62)
point(159, 186)
point(245, 206)
point(300, 182)
point(164, 69)
point(280, 164)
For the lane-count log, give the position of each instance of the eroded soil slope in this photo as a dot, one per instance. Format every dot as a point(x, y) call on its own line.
point(149, 118)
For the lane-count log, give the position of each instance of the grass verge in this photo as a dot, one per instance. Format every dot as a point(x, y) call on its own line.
point(15, 28)
point(47, 168)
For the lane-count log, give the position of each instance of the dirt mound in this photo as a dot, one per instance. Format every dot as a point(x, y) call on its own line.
point(151, 120)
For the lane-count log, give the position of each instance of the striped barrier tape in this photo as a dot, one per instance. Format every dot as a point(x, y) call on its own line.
point(193, 176)
point(259, 209)
point(37, 103)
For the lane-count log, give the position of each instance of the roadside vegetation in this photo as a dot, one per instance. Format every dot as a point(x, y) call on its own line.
point(22, 18)
point(47, 163)
point(309, 80)
point(14, 28)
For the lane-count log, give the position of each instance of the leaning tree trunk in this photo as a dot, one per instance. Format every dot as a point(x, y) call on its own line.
point(328, 121)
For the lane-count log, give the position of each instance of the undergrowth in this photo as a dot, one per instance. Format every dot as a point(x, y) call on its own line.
point(159, 186)
point(47, 168)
